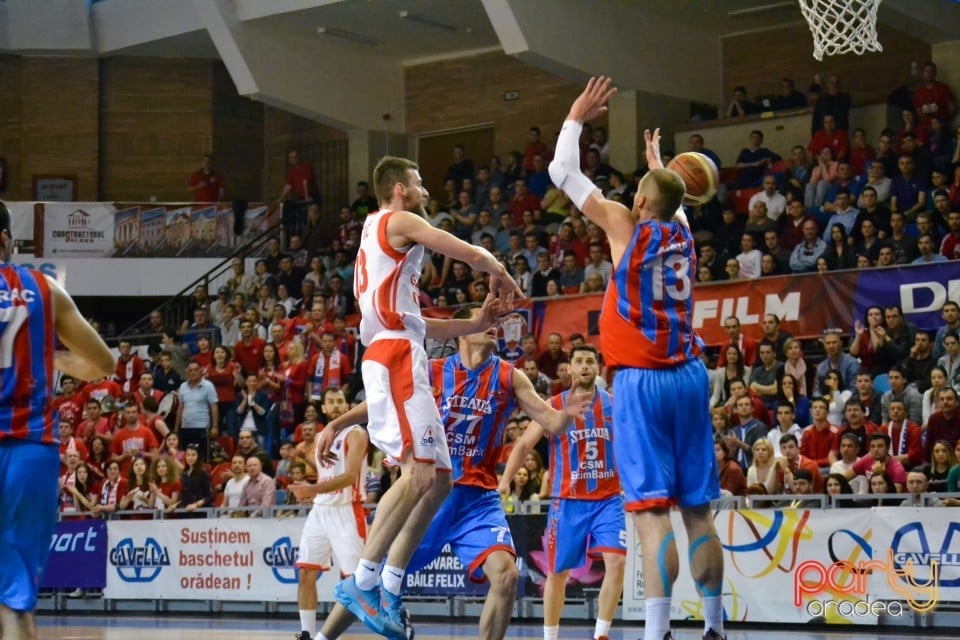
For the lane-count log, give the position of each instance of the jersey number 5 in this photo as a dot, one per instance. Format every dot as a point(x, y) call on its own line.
point(681, 289)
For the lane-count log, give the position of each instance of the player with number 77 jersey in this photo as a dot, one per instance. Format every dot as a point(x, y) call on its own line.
point(476, 392)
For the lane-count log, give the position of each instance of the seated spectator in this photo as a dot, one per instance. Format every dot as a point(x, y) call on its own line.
point(749, 257)
point(732, 270)
point(732, 479)
point(832, 137)
point(879, 460)
point(232, 489)
point(795, 365)
point(775, 202)
point(906, 438)
point(259, 490)
point(753, 161)
point(858, 425)
point(943, 424)
point(845, 214)
point(538, 474)
point(805, 254)
point(880, 483)
point(571, 275)
point(908, 190)
point(799, 173)
point(112, 490)
point(938, 381)
point(918, 363)
point(785, 422)
point(917, 485)
point(867, 244)
point(542, 384)
point(763, 471)
point(758, 223)
point(803, 486)
point(741, 437)
point(789, 97)
point(788, 393)
point(544, 273)
point(695, 143)
point(733, 369)
point(950, 245)
point(821, 179)
point(879, 186)
point(911, 127)
point(165, 484)
point(900, 390)
point(791, 462)
point(869, 336)
point(82, 497)
point(837, 485)
point(196, 491)
point(845, 180)
point(942, 459)
point(139, 497)
point(843, 461)
point(839, 254)
point(903, 246)
point(740, 105)
point(764, 379)
point(521, 491)
point(861, 153)
point(887, 155)
point(820, 440)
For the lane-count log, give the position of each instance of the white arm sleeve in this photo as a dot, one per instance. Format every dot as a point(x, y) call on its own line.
point(565, 167)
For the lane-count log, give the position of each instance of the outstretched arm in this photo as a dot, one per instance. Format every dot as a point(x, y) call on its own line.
point(565, 172)
point(493, 306)
point(542, 413)
point(407, 227)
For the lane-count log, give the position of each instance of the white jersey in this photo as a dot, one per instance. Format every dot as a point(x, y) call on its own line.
point(385, 284)
point(355, 492)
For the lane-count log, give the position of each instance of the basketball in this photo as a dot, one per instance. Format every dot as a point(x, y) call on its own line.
point(700, 176)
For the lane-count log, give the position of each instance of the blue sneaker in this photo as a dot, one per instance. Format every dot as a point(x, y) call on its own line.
point(409, 632)
point(393, 618)
point(364, 605)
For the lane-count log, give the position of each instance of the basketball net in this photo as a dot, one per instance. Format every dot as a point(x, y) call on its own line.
point(842, 26)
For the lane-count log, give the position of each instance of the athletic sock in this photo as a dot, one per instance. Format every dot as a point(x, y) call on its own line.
point(366, 575)
point(392, 578)
point(602, 628)
point(657, 622)
point(551, 633)
point(308, 621)
point(713, 614)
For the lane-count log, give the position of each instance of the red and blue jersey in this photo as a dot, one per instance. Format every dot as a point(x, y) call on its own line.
point(26, 356)
point(582, 466)
point(474, 406)
point(647, 316)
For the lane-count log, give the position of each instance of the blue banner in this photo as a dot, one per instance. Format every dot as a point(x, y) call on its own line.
point(78, 556)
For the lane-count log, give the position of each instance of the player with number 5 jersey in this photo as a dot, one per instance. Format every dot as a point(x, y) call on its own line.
point(34, 312)
point(476, 392)
point(404, 422)
point(586, 514)
point(663, 436)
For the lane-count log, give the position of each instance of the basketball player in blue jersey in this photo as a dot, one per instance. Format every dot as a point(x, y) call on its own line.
point(476, 393)
point(34, 313)
point(661, 418)
point(586, 513)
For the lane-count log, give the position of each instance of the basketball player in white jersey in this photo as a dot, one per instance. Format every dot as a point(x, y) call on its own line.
point(336, 525)
point(405, 423)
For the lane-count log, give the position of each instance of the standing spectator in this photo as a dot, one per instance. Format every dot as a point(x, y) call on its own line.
point(534, 147)
point(134, 441)
point(933, 98)
point(789, 97)
point(225, 377)
point(129, 367)
point(300, 183)
point(833, 102)
point(206, 185)
point(461, 169)
point(365, 203)
point(753, 161)
point(197, 411)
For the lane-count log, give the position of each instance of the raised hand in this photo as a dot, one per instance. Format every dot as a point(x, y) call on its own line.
point(652, 150)
point(592, 102)
point(577, 404)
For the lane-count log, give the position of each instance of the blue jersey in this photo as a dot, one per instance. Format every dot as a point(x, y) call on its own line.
point(26, 356)
point(474, 407)
point(647, 316)
point(581, 458)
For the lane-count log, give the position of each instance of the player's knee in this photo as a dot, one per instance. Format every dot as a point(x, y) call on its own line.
point(614, 563)
point(307, 576)
point(504, 579)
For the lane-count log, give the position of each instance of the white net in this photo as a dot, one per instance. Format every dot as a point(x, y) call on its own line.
point(842, 26)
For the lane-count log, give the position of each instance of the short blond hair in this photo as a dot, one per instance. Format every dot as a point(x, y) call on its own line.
point(388, 172)
point(664, 192)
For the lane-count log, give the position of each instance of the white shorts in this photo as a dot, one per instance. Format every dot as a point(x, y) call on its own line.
point(402, 411)
point(337, 533)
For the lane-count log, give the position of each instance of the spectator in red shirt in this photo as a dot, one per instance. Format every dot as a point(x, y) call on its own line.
point(821, 438)
point(860, 152)
point(943, 424)
point(134, 440)
point(547, 362)
point(69, 403)
point(206, 185)
point(747, 346)
point(129, 367)
point(249, 351)
point(521, 201)
point(534, 146)
point(301, 182)
point(932, 97)
point(831, 137)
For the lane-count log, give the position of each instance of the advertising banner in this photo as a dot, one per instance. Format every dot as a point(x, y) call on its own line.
point(839, 566)
point(78, 556)
point(222, 559)
point(105, 230)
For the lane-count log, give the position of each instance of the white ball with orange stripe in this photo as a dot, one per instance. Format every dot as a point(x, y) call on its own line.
point(700, 176)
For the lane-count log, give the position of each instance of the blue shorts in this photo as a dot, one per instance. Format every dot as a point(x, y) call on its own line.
point(663, 439)
point(589, 528)
point(472, 522)
point(28, 518)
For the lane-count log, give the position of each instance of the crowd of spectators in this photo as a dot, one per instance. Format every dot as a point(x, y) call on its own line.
point(223, 409)
point(836, 201)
